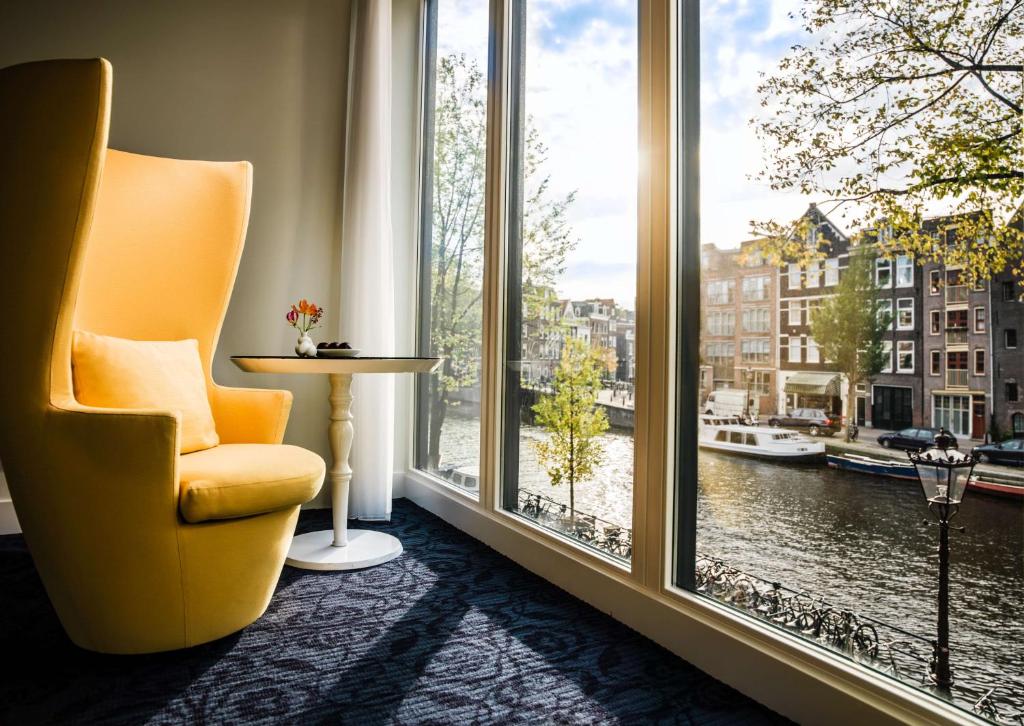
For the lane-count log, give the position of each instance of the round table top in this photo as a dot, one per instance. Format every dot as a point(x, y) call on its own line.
point(359, 364)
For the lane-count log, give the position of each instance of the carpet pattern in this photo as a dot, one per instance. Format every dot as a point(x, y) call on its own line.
point(450, 632)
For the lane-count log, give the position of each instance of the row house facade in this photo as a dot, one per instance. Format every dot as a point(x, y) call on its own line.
point(893, 398)
point(740, 323)
point(1007, 320)
point(805, 379)
point(598, 322)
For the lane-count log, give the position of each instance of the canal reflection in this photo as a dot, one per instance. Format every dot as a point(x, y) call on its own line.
point(857, 541)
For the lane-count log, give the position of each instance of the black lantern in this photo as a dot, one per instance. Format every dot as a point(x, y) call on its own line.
point(944, 474)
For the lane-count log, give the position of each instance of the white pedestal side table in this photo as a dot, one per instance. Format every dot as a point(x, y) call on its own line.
point(340, 548)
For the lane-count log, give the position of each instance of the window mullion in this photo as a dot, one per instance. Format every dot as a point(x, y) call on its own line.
point(496, 214)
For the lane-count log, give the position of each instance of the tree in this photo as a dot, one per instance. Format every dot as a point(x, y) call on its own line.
point(849, 326)
point(573, 419)
point(895, 110)
point(457, 233)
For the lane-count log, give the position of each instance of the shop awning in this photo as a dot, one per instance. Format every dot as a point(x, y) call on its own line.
point(814, 384)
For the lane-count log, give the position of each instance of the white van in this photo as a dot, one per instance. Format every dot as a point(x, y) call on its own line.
point(731, 402)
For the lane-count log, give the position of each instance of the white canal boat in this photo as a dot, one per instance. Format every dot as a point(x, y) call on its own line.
point(729, 436)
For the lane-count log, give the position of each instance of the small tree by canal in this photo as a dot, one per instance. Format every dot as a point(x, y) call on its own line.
point(573, 419)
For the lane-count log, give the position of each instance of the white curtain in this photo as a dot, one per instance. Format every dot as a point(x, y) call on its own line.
point(367, 309)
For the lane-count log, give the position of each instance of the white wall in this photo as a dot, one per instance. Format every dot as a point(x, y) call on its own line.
point(262, 80)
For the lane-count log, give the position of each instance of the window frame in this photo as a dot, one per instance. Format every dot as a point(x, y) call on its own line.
point(902, 264)
point(899, 354)
point(980, 356)
point(910, 325)
point(936, 357)
point(883, 264)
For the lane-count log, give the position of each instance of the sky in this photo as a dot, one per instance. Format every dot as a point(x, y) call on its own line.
point(581, 90)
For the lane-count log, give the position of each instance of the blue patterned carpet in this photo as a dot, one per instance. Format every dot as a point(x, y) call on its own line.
point(450, 632)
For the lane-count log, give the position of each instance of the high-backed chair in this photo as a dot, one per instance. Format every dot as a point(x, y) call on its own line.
point(143, 248)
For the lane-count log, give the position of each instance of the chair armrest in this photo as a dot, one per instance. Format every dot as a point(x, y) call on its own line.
point(250, 415)
point(121, 462)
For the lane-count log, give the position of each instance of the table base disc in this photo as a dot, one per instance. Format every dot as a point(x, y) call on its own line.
point(366, 548)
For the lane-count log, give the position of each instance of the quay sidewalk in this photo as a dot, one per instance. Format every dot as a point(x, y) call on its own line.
point(867, 445)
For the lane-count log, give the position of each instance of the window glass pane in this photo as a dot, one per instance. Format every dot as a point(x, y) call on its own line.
point(863, 327)
point(571, 286)
point(451, 274)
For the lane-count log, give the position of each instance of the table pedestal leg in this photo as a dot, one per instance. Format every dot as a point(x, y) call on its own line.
point(340, 434)
point(340, 548)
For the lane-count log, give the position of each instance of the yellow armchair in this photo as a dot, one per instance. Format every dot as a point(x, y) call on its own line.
point(141, 548)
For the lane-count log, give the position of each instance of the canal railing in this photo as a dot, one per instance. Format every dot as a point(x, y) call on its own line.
point(610, 538)
point(881, 646)
point(884, 647)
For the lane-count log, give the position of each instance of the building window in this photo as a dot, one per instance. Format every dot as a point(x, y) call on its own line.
point(883, 272)
point(956, 320)
point(1008, 292)
point(904, 271)
point(721, 322)
point(979, 362)
point(905, 356)
point(813, 354)
point(980, 323)
point(935, 282)
point(1010, 338)
point(936, 368)
point(885, 312)
point(795, 313)
point(793, 276)
point(831, 271)
point(794, 349)
point(905, 313)
point(759, 382)
point(755, 288)
point(936, 322)
point(756, 320)
point(886, 356)
point(755, 351)
point(720, 292)
point(1011, 391)
point(813, 274)
point(952, 413)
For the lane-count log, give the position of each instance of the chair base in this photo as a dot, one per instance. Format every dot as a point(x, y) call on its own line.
point(365, 548)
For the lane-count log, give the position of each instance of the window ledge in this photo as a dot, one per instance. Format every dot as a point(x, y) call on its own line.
point(794, 678)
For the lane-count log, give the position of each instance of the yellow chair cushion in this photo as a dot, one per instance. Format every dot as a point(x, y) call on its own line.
point(119, 373)
point(237, 480)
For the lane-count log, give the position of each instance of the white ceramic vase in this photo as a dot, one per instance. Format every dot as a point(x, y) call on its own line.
point(305, 347)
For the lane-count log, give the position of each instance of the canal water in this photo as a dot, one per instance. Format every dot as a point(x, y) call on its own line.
point(856, 540)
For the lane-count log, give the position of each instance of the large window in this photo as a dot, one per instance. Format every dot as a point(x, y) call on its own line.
point(568, 435)
point(835, 554)
point(547, 286)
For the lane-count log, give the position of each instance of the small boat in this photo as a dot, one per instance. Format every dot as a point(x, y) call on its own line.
point(729, 436)
point(876, 467)
point(905, 470)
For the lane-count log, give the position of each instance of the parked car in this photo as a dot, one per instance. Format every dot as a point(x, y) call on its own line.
point(731, 402)
point(812, 420)
point(1005, 452)
point(912, 439)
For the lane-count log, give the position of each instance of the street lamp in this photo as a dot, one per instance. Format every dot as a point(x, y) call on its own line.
point(943, 473)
